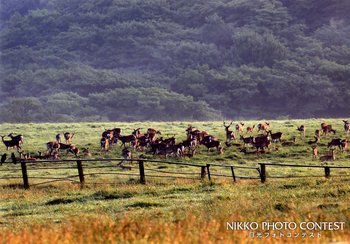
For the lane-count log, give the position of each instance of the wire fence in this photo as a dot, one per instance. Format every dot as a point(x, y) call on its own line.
point(78, 170)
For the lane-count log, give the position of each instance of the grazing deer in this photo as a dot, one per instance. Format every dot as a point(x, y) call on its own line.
point(315, 141)
point(335, 143)
point(318, 134)
point(229, 134)
point(314, 152)
point(250, 129)
point(301, 129)
point(346, 126)
point(327, 129)
point(328, 157)
point(239, 127)
point(126, 154)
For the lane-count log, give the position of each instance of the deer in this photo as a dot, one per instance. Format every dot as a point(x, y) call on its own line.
point(314, 152)
point(301, 129)
point(16, 138)
point(250, 129)
point(247, 140)
point(344, 145)
point(3, 158)
point(328, 157)
point(275, 136)
point(151, 133)
point(327, 129)
point(68, 136)
point(239, 127)
point(315, 141)
point(126, 139)
point(335, 143)
point(263, 126)
point(346, 126)
point(104, 143)
point(126, 154)
point(229, 134)
point(11, 144)
point(213, 143)
point(52, 146)
point(86, 152)
point(318, 134)
point(58, 138)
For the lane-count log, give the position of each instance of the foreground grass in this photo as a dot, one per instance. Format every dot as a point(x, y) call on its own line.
point(172, 210)
point(181, 212)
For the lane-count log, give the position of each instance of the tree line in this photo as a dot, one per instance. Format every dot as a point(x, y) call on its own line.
point(93, 60)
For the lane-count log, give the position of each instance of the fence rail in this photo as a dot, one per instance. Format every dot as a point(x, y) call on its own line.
point(207, 170)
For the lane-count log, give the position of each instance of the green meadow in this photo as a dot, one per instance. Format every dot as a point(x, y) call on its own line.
point(116, 208)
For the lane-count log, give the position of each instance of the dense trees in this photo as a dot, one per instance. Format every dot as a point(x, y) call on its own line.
point(64, 60)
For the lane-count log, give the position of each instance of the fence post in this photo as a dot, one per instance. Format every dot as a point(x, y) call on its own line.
point(81, 173)
point(233, 174)
point(262, 172)
point(208, 170)
point(327, 171)
point(25, 175)
point(142, 172)
point(203, 172)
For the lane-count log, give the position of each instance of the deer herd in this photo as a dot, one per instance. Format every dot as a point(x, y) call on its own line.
point(152, 142)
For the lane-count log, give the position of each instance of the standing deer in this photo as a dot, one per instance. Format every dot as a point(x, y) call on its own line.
point(301, 129)
point(346, 126)
point(314, 152)
point(250, 129)
point(229, 134)
point(239, 127)
point(68, 136)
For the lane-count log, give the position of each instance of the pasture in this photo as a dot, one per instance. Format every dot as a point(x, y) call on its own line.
point(170, 209)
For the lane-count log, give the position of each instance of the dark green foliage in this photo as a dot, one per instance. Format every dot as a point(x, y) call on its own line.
point(74, 60)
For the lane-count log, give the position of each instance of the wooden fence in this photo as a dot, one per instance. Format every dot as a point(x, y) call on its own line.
point(198, 171)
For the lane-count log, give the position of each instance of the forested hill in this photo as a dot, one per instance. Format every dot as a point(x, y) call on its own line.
point(76, 60)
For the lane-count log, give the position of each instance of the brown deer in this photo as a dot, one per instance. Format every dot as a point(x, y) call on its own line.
point(151, 133)
point(263, 126)
point(328, 157)
point(301, 130)
point(250, 129)
point(10, 144)
point(16, 138)
point(344, 145)
point(229, 134)
point(318, 134)
point(314, 152)
point(239, 127)
point(346, 126)
point(326, 128)
point(68, 136)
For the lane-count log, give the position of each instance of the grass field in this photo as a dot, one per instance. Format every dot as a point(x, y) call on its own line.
point(173, 210)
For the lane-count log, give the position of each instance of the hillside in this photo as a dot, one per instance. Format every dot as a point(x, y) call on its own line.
point(86, 60)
